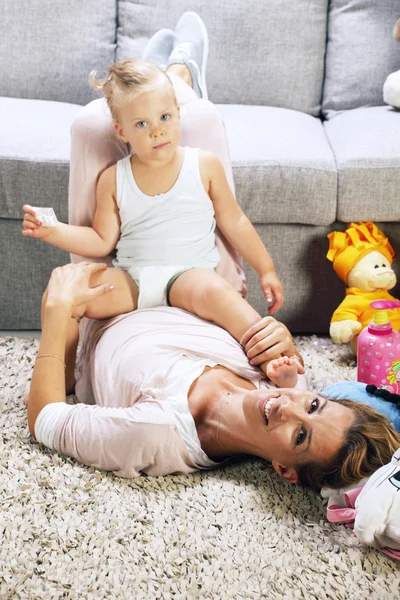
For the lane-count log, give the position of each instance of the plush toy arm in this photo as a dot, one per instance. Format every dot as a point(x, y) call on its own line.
point(370, 522)
point(342, 332)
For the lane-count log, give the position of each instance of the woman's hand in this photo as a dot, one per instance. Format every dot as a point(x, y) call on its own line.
point(266, 340)
point(69, 285)
point(272, 289)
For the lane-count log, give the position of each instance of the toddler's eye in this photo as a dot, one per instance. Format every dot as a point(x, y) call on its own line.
point(164, 117)
point(314, 405)
point(141, 124)
point(301, 436)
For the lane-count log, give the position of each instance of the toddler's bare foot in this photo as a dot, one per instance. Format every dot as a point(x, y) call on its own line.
point(282, 371)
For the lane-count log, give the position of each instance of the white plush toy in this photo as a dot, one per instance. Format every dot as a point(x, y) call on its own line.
point(372, 510)
point(391, 87)
point(378, 507)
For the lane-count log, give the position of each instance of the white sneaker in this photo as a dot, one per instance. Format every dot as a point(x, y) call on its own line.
point(191, 49)
point(159, 48)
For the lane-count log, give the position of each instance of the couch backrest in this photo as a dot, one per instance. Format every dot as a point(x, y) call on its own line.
point(361, 52)
point(268, 52)
point(49, 47)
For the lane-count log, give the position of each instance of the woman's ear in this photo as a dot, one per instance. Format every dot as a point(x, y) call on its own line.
point(288, 473)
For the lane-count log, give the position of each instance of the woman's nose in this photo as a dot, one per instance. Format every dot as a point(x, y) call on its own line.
point(287, 410)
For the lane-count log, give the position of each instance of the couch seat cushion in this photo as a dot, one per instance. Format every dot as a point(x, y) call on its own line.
point(34, 155)
point(366, 144)
point(283, 166)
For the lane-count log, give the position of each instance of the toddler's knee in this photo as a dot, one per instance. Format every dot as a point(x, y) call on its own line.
point(214, 287)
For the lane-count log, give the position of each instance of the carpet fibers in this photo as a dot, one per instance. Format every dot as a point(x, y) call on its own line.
point(68, 531)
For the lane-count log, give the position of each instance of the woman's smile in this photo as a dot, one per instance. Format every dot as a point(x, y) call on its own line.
point(266, 405)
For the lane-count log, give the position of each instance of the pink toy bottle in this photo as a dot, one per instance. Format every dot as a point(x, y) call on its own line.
point(378, 350)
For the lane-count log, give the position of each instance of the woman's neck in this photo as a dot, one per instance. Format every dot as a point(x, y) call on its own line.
point(215, 387)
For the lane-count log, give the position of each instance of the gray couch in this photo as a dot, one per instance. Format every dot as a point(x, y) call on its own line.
point(299, 85)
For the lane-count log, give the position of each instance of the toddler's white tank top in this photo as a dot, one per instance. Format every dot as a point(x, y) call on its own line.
point(175, 228)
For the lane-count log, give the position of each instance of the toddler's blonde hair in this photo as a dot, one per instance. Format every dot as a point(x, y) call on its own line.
point(125, 80)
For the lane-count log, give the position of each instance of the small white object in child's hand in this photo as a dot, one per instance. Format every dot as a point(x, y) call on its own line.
point(47, 216)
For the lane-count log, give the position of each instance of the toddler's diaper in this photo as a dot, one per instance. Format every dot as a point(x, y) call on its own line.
point(154, 283)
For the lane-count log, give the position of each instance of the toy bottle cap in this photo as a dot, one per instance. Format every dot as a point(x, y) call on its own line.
point(381, 315)
point(385, 304)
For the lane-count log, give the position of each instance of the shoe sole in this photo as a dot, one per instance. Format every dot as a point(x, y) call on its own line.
point(202, 81)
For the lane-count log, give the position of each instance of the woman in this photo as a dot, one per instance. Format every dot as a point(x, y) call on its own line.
point(164, 391)
point(174, 394)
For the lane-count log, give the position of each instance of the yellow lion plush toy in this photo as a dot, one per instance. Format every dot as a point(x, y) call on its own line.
point(362, 256)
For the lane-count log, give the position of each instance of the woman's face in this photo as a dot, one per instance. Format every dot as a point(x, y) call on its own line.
point(292, 426)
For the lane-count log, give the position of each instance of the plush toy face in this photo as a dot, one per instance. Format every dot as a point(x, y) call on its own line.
point(372, 272)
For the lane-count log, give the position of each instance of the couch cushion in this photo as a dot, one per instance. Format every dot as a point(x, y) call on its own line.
point(265, 52)
point(48, 49)
point(283, 166)
point(34, 155)
point(366, 144)
point(360, 54)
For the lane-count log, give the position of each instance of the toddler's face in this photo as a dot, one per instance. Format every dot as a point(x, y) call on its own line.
point(150, 123)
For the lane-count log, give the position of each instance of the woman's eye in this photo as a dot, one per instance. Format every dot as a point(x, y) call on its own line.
point(301, 436)
point(164, 117)
point(141, 124)
point(314, 405)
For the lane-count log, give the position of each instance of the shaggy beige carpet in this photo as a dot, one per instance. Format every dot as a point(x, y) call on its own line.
point(68, 531)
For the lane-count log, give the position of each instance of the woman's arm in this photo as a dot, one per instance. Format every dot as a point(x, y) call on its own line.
point(268, 339)
point(48, 377)
point(68, 287)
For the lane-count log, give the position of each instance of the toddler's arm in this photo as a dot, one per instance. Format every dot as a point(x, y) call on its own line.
point(238, 229)
point(95, 241)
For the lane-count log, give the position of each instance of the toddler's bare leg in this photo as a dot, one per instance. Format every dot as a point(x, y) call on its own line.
point(207, 295)
point(122, 299)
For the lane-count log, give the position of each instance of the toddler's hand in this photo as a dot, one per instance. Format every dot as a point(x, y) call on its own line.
point(32, 226)
point(272, 290)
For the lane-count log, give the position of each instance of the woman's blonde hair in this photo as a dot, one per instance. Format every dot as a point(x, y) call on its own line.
point(125, 80)
point(370, 443)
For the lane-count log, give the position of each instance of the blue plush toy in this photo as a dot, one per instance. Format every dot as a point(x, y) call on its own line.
point(370, 395)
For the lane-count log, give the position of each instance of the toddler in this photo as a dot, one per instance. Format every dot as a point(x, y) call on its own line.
point(158, 208)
